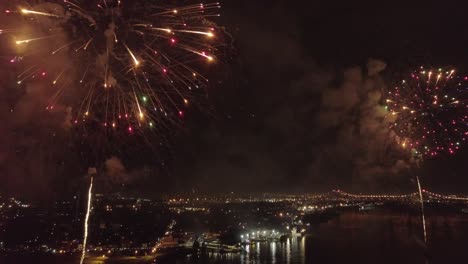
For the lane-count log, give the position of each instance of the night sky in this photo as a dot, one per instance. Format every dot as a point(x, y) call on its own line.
point(267, 134)
point(291, 108)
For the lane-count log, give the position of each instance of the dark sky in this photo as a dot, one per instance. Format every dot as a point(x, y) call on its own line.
point(294, 107)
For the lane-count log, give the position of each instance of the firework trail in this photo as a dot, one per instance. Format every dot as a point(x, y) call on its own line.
point(428, 112)
point(86, 226)
point(423, 216)
point(127, 65)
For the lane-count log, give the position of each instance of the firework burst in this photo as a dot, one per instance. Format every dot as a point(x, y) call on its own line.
point(428, 110)
point(126, 65)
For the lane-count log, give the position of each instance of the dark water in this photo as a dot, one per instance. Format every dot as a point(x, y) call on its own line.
point(353, 237)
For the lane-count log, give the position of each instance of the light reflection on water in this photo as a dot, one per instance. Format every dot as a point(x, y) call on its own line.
point(290, 251)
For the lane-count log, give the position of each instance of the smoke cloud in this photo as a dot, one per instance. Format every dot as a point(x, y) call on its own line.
point(115, 171)
point(362, 137)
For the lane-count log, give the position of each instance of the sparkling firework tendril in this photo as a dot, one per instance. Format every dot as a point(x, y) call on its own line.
point(125, 64)
point(428, 111)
